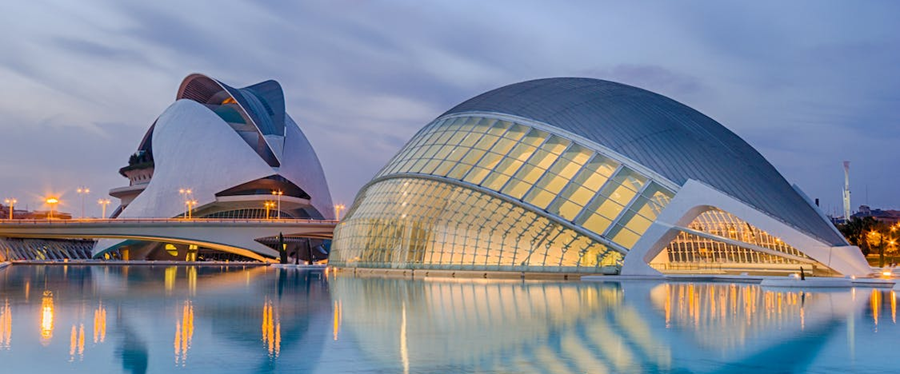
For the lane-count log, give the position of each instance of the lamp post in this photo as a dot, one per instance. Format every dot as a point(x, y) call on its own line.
point(51, 201)
point(278, 194)
point(190, 204)
point(103, 203)
point(186, 195)
point(12, 205)
point(83, 191)
point(269, 205)
point(337, 211)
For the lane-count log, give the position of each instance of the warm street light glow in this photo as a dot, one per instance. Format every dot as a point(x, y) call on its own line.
point(269, 205)
point(337, 211)
point(278, 193)
point(51, 201)
point(187, 195)
point(83, 191)
point(190, 204)
point(12, 204)
point(103, 203)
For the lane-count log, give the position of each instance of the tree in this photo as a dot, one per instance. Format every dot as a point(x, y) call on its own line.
point(856, 230)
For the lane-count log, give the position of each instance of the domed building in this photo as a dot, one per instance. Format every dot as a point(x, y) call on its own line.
point(584, 176)
point(220, 152)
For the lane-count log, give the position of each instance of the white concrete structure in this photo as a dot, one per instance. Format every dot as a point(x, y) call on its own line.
point(226, 235)
point(222, 152)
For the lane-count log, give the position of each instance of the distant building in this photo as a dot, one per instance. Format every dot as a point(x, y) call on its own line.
point(889, 217)
point(575, 175)
point(35, 214)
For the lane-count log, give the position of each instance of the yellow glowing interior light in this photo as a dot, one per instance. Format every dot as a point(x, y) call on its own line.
point(229, 100)
point(886, 273)
point(52, 200)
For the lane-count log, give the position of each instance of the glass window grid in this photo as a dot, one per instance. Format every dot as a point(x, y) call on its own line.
point(690, 248)
point(464, 229)
point(522, 179)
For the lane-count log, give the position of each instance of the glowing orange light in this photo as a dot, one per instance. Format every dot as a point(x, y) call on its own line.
point(46, 318)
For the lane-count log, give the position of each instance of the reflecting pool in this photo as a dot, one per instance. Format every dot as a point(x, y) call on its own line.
point(247, 320)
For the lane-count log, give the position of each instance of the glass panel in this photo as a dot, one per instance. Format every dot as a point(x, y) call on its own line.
point(555, 145)
point(516, 132)
point(486, 142)
point(577, 154)
point(535, 137)
point(503, 146)
point(596, 223)
point(409, 223)
point(476, 175)
point(539, 198)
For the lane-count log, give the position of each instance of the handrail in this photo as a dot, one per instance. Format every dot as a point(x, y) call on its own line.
point(80, 221)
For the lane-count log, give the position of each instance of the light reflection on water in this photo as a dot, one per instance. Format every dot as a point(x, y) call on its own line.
point(189, 319)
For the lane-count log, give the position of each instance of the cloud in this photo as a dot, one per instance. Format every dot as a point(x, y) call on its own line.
point(808, 84)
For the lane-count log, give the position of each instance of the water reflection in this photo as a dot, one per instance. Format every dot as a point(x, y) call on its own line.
point(5, 326)
point(77, 342)
point(201, 319)
point(271, 329)
point(100, 324)
point(495, 326)
point(184, 333)
point(46, 318)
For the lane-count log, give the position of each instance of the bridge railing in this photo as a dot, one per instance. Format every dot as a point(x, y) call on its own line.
point(78, 221)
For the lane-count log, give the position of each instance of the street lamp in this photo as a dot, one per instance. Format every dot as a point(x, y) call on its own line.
point(186, 195)
point(12, 205)
point(51, 201)
point(269, 205)
point(103, 203)
point(278, 193)
point(83, 191)
point(337, 211)
point(190, 204)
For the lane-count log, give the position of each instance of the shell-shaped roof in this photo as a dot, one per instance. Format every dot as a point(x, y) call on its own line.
point(662, 134)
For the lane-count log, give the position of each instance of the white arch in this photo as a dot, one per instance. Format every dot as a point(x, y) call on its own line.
point(694, 198)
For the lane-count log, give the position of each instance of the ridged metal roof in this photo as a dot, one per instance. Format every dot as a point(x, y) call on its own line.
point(674, 140)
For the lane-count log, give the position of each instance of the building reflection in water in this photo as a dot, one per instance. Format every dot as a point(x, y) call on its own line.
point(271, 329)
point(338, 314)
point(5, 326)
point(46, 318)
point(170, 275)
point(100, 324)
point(875, 299)
point(184, 333)
point(577, 327)
point(76, 344)
point(893, 307)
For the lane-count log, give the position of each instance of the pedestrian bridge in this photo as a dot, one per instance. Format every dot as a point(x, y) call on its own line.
point(228, 235)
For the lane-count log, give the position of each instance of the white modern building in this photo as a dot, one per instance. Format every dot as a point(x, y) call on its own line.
point(220, 152)
point(575, 175)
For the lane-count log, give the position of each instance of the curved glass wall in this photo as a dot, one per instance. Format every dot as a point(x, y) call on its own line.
point(705, 244)
point(544, 170)
point(426, 224)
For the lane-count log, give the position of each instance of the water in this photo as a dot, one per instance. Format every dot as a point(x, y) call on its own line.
point(201, 319)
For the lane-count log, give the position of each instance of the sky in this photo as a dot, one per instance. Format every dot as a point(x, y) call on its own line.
point(808, 84)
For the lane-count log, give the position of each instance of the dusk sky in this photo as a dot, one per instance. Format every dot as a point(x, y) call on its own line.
point(808, 84)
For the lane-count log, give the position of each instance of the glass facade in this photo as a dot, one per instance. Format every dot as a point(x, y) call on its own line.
point(425, 224)
point(543, 170)
point(547, 174)
point(692, 249)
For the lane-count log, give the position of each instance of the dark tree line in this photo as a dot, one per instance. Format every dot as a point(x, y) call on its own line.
point(870, 235)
